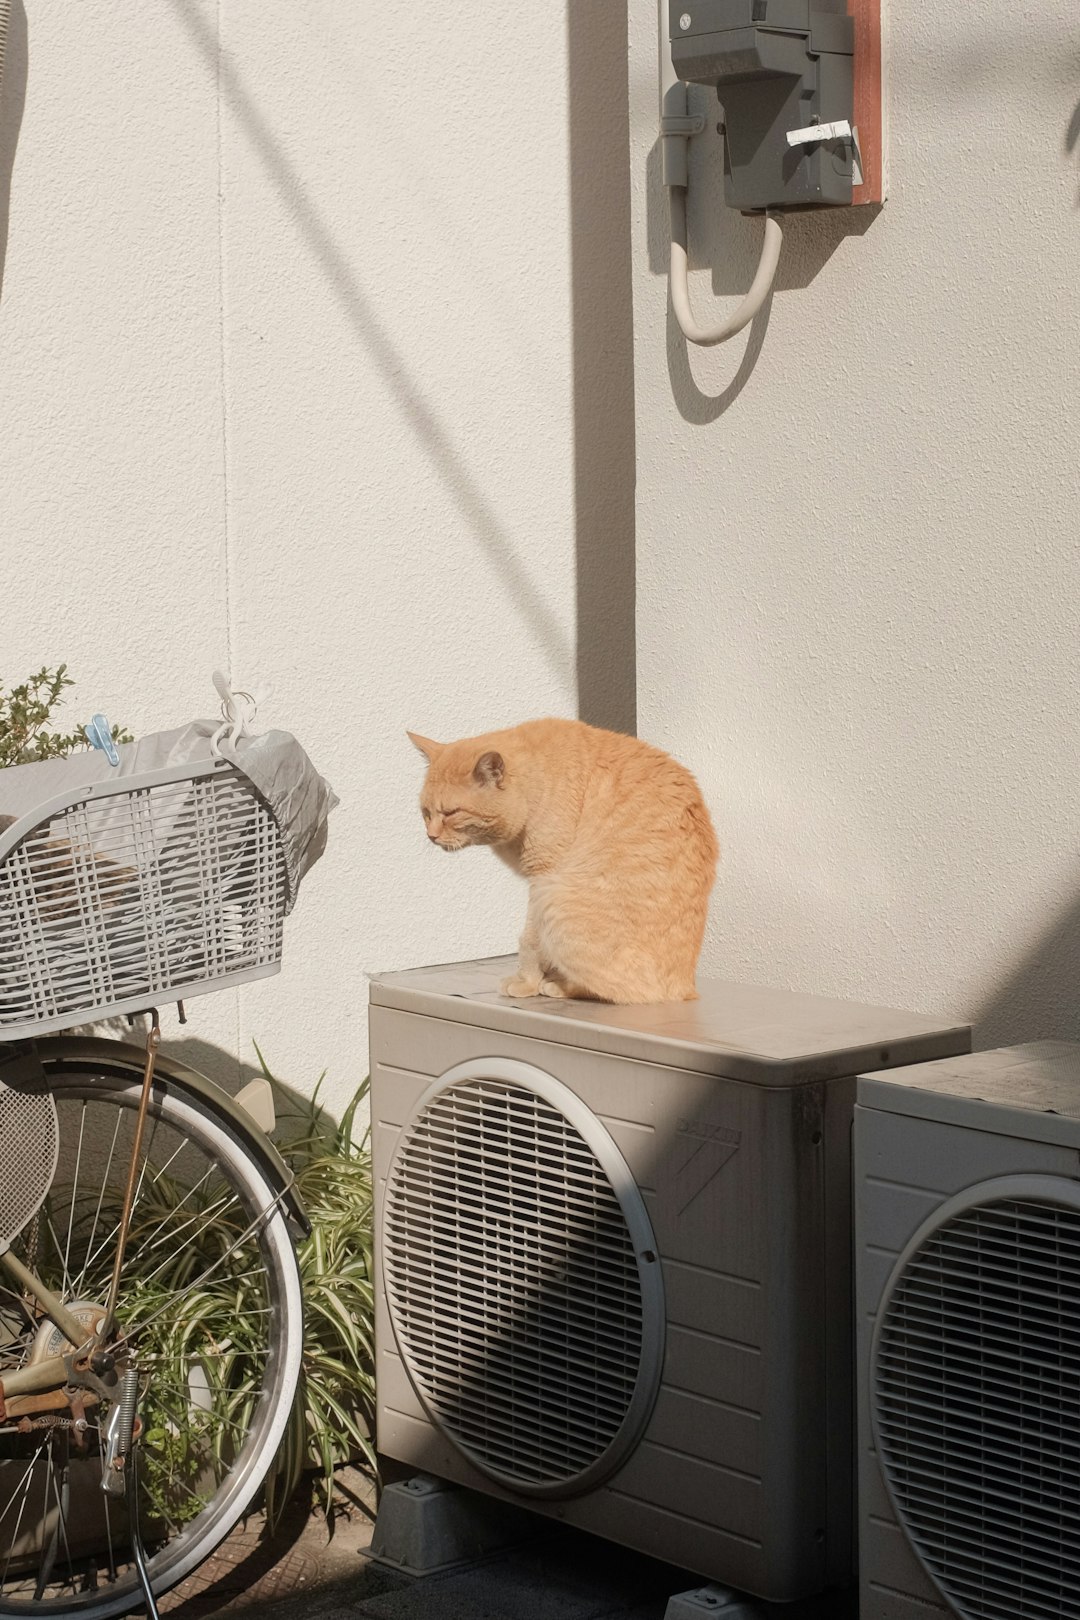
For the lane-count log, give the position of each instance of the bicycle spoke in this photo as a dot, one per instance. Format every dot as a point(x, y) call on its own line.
point(106, 1242)
point(149, 1362)
point(74, 1194)
point(140, 1327)
point(109, 1534)
point(214, 1418)
point(165, 1233)
point(24, 1482)
point(45, 1506)
point(101, 1195)
point(170, 1235)
point(66, 1289)
point(14, 1352)
point(61, 1489)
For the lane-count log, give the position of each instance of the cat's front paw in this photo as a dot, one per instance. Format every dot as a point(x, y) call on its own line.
point(520, 987)
point(553, 988)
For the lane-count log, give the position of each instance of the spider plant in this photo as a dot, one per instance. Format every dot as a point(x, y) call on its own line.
point(332, 1419)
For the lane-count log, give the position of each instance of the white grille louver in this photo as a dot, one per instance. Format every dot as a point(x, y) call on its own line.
point(976, 1406)
point(522, 1280)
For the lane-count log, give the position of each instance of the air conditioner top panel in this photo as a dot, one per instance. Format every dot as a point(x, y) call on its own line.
point(1030, 1091)
point(737, 1031)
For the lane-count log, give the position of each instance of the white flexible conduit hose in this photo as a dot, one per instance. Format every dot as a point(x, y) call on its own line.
point(760, 287)
point(676, 127)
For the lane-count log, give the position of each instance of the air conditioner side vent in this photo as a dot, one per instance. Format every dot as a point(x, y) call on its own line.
point(975, 1399)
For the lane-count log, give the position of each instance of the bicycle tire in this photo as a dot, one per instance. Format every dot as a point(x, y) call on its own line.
point(113, 1085)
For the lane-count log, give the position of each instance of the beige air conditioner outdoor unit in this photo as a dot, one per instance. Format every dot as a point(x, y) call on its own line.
point(614, 1259)
point(968, 1227)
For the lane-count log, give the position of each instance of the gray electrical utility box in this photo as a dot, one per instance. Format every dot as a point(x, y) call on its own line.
point(614, 1255)
point(778, 66)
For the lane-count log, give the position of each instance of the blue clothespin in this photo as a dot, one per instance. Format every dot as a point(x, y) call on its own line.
point(99, 735)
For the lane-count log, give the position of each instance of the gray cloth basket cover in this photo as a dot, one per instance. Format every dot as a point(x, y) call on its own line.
point(114, 898)
point(275, 763)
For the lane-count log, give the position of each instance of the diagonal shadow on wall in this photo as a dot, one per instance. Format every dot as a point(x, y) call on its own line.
point(472, 503)
point(1072, 138)
point(1040, 998)
point(12, 102)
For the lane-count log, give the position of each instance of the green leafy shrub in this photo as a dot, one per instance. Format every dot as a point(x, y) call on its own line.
point(26, 714)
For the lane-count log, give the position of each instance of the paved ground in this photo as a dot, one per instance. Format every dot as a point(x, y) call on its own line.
point(252, 1571)
point(304, 1575)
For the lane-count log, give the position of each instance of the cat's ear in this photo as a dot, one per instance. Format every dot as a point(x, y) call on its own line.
point(428, 748)
point(489, 770)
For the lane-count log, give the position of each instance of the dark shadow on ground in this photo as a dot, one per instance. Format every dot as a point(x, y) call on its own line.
point(252, 1570)
point(562, 1574)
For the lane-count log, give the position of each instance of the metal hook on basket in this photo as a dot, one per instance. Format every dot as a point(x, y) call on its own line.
point(238, 712)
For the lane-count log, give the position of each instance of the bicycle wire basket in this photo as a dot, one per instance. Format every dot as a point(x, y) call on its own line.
point(139, 889)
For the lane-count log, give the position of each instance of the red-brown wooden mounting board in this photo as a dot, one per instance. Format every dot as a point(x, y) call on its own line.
point(869, 99)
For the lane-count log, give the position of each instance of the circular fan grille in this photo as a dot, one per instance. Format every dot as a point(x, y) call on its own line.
point(976, 1388)
point(515, 1284)
point(29, 1142)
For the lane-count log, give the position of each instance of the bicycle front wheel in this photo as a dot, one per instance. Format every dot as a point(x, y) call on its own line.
point(209, 1312)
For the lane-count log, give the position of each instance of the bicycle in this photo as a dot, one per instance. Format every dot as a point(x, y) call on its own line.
point(150, 1302)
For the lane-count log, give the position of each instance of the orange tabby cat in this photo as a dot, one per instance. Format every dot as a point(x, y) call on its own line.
point(614, 838)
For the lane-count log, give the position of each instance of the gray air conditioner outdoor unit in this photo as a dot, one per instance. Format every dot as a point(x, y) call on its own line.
point(967, 1178)
point(614, 1255)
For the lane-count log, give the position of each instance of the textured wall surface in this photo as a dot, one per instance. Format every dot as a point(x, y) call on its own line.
point(859, 571)
point(304, 374)
point(316, 365)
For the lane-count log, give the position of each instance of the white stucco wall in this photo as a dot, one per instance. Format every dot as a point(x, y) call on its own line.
point(299, 363)
point(859, 570)
point(314, 346)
